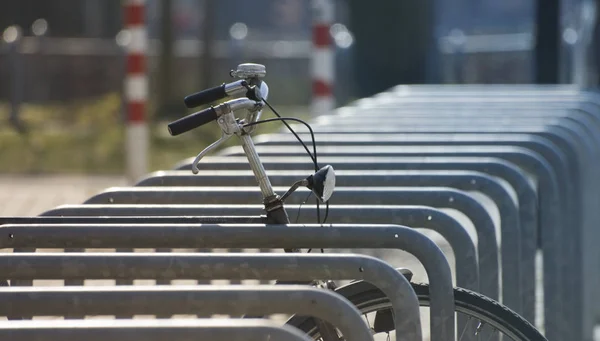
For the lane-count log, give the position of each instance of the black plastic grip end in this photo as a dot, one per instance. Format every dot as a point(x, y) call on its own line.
point(192, 121)
point(205, 97)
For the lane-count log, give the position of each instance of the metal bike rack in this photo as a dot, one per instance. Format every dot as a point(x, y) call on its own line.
point(144, 300)
point(534, 163)
point(253, 236)
point(421, 217)
point(153, 330)
point(304, 267)
point(525, 158)
point(573, 204)
point(533, 141)
point(493, 166)
point(591, 212)
point(511, 215)
point(424, 217)
point(123, 220)
point(436, 197)
point(588, 196)
point(539, 144)
point(428, 128)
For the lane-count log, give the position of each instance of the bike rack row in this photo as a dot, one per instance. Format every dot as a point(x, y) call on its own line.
point(402, 159)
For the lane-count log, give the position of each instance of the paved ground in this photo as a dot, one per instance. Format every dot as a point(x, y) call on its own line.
point(32, 195)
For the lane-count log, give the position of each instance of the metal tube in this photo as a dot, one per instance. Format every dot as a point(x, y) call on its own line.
point(552, 218)
point(150, 330)
point(143, 300)
point(417, 216)
point(235, 88)
point(512, 217)
point(226, 266)
point(256, 236)
point(256, 166)
point(483, 278)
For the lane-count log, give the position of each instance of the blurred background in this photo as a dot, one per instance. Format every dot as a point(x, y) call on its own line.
point(62, 63)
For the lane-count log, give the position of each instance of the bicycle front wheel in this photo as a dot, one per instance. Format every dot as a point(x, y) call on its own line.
point(485, 318)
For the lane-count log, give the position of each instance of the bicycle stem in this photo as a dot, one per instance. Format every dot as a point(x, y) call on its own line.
point(276, 213)
point(257, 167)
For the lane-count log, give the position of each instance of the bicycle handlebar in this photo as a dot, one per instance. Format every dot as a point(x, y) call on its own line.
point(208, 115)
point(192, 121)
point(214, 94)
point(204, 97)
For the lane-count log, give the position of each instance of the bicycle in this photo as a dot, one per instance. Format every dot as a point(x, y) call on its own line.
point(251, 93)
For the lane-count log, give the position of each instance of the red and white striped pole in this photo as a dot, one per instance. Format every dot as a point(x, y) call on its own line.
point(136, 90)
point(323, 57)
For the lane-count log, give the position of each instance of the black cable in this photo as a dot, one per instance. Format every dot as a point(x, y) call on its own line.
point(326, 212)
point(292, 130)
point(326, 216)
point(299, 207)
point(312, 135)
point(313, 155)
point(298, 214)
point(314, 158)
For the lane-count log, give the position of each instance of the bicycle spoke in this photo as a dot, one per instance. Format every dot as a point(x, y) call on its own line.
point(465, 328)
point(492, 334)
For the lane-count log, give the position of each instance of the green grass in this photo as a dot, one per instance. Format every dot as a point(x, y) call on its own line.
point(88, 137)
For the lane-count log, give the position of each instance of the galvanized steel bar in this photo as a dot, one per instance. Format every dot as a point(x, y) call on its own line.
point(572, 204)
point(436, 197)
point(287, 267)
point(255, 236)
point(549, 200)
point(150, 330)
point(124, 220)
point(526, 158)
point(415, 216)
point(546, 148)
point(512, 216)
point(144, 300)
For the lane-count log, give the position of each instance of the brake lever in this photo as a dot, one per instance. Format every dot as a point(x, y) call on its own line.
point(224, 137)
point(229, 127)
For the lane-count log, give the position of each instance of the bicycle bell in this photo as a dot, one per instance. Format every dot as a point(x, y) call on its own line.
point(249, 71)
point(253, 74)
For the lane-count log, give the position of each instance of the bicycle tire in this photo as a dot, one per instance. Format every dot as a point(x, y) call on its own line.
point(466, 301)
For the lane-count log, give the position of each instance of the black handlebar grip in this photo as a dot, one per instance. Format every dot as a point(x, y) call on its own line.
point(192, 121)
point(205, 97)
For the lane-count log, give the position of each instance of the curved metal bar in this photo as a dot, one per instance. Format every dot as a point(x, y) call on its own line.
point(288, 267)
point(438, 197)
point(150, 330)
point(142, 300)
point(255, 236)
